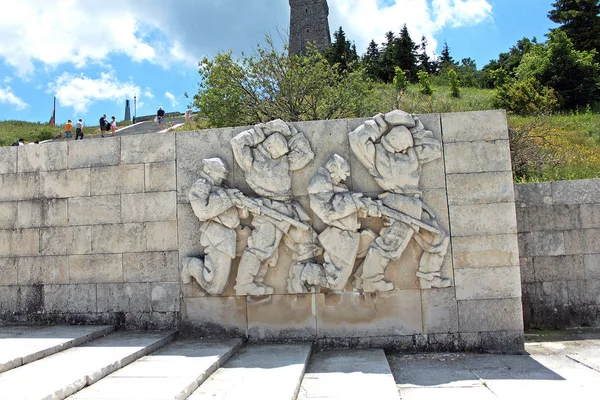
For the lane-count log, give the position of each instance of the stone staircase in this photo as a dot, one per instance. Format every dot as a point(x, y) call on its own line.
point(94, 362)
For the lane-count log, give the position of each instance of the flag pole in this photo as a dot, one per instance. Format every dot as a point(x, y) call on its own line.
point(54, 110)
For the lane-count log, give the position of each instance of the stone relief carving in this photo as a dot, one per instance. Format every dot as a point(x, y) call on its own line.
point(393, 147)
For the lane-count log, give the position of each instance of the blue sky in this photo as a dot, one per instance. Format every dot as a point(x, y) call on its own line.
point(94, 55)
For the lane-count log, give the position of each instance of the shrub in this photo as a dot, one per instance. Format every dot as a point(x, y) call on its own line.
point(400, 81)
point(454, 84)
point(424, 84)
point(526, 97)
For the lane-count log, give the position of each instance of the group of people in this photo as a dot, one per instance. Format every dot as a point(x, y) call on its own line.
point(108, 126)
point(69, 130)
point(21, 142)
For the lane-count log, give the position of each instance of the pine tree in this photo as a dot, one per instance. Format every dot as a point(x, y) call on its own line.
point(371, 61)
point(580, 21)
point(387, 63)
point(341, 52)
point(405, 55)
point(423, 57)
point(446, 60)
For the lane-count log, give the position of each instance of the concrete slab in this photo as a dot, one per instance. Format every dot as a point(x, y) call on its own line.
point(62, 374)
point(22, 345)
point(266, 372)
point(172, 372)
point(347, 375)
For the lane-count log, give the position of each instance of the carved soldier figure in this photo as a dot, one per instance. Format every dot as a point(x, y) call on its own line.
point(393, 147)
point(220, 218)
point(268, 154)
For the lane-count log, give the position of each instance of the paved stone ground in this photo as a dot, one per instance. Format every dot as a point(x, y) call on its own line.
point(559, 365)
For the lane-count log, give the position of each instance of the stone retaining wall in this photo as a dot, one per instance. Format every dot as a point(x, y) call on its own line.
point(559, 240)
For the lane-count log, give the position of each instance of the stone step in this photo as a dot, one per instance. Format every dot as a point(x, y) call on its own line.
point(21, 345)
point(266, 372)
point(64, 373)
point(172, 372)
point(349, 374)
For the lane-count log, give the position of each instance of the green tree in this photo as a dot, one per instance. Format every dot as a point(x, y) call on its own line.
point(400, 80)
point(508, 62)
point(387, 61)
point(425, 62)
point(405, 54)
point(580, 20)
point(341, 52)
point(424, 83)
point(526, 97)
point(446, 60)
point(467, 73)
point(454, 83)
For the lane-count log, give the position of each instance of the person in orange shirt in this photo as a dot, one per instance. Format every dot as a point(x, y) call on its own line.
point(68, 129)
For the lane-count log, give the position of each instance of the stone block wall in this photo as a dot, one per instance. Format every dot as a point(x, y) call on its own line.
point(559, 240)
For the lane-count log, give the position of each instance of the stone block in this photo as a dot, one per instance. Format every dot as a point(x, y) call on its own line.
point(97, 153)
point(117, 179)
point(8, 215)
point(8, 160)
point(124, 297)
point(120, 238)
point(48, 157)
point(487, 283)
point(533, 194)
point(590, 215)
point(160, 177)
point(470, 157)
point(591, 239)
point(151, 267)
point(554, 293)
point(212, 316)
point(436, 200)
point(475, 126)
point(165, 297)
point(576, 192)
point(548, 243)
point(440, 310)
point(148, 148)
point(70, 298)
point(554, 218)
point(96, 268)
point(527, 271)
point(19, 242)
point(433, 174)
point(485, 251)
point(559, 268)
point(283, 317)
point(483, 219)
point(42, 213)
point(480, 188)
point(94, 210)
point(592, 290)
point(574, 242)
point(490, 315)
point(19, 186)
point(576, 293)
point(46, 270)
point(193, 147)
point(146, 207)
point(8, 271)
point(592, 266)
point(355, 314)
point(30, 299)
point(65, 183)
point(8, 299)
point(161, 236)
point(66, 240)
point(188, 232)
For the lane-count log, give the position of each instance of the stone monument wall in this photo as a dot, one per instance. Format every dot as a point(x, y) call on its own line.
point(103, 231)
point(559, 240)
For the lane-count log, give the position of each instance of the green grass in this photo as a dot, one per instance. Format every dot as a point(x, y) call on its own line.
point(11, 131)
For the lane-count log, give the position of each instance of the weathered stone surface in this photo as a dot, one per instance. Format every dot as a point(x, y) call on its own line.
point(121, 238)
point(591, 240)
point(151, 267)
point(469, 157)
point(480, 188)
point(63, 184)
point(20, 242)
point(483, 219)
point(124, 297)
point(527, 272)
point(487, 283)
point(592, 266)
point(8, 215)
point(576, 192)
point(151, 147)
point(42, 213)
point(592, 289)
point(161, 236)
point(8, 155)
point(554, 218)
point(70, 298)
point(43, 270)
point(485, 251)
point(547, 243)
point(188, 232)
point(8, 299)
point(94, 210)
point(117, 179)
point(559, 268)
point(96, 268)
point(433, 174)
point(66, 240)
point(533, 194)
point(590, 215)
point(474, 126)
point(436, 200)
point(8, 271)
point(214, 315)
point(48, 157)
point(146, 207)
point(165, 297)
point(355, 314)
point(160, 177)
point(194, 146)
point(97, 153)
point(284, 317)
point(440, 310)
point(490, 315)
point(19, 186)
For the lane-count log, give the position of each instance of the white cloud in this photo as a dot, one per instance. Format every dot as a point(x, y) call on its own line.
point(172, 99)
point(80, 91)
point(7, 79)
point(148, 93)
point(8, 97)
